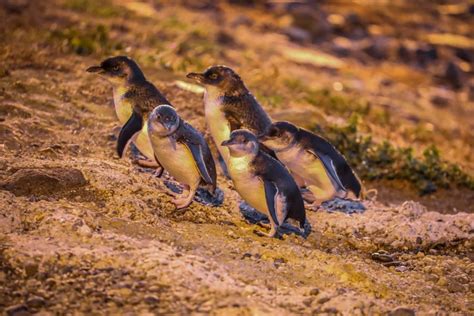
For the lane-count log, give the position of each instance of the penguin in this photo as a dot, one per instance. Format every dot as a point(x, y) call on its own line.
point(229, 105)
point(313, 162)
point(182, 151)
point(130, 87)
point(263, 182)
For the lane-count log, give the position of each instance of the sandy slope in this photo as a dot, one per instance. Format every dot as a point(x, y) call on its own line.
point(84, 232)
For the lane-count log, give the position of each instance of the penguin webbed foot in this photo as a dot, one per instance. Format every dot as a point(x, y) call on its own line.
point(145, 163)
point(184, 200)
point(273, 233)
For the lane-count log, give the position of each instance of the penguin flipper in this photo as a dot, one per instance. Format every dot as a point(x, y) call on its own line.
point(271, 192)
point(133, 125)
point(198, 156)
point(160, 167)
point(330, 168)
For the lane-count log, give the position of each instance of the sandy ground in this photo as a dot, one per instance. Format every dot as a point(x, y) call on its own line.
point(82, 232)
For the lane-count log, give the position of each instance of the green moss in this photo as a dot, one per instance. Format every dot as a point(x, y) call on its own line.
point(374, 160)
point(85, 41)
point(98, 8)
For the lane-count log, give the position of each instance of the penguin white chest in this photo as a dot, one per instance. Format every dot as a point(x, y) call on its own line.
point(249, 186)
point(142, 141)
point(123, 108)
point(308, 167)
point(217, 123)
point(176, 159)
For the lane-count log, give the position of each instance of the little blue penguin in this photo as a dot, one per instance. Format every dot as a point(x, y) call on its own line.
point(229, 106)
point(313, 161)
point(182, 151)
point(263, 182)
point(130, 87)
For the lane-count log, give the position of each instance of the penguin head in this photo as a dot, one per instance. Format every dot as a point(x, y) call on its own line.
point(242, 143)
point(220, 77)
point(279, 136)
point(164, 120)
point(118, 69)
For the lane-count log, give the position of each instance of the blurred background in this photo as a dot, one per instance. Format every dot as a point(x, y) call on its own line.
point(390, 83)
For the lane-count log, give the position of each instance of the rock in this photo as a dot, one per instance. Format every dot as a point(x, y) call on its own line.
point(324, 300)
point(151, 299)
point(378, 48)
point(401, 269)
point(308, 301)
point(382, 257)
point(31, 268)
point(312, 21)
point(454, 286)
point(314, 292)
point(44, 181)
point(297, 34)
point(35, 302)
point(439, 101)
point(17, 310)
point(453, 75)
point(402, 311)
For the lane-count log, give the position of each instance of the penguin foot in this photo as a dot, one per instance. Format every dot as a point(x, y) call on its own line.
point(272, 234)
point(182, 203)
point(145, 163)
point(158, 172)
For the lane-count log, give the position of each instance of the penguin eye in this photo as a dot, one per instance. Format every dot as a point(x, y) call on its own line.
point(116, 68)
point(213, 76)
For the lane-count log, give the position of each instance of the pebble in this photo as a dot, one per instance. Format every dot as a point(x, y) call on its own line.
point(314, 292)
point(454, 286)
point(35, 302)
point(17, 310)
point(401, 269)
point(151, 299)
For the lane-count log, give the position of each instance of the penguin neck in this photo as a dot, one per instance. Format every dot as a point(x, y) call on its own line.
point(286, 148)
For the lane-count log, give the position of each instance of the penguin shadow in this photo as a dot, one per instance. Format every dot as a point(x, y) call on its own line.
point(346, 206)
point(255, 217)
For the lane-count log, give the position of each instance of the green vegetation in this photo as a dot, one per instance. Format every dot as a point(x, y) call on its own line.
point(384, 161)
point(103, 9)
point(85, 41)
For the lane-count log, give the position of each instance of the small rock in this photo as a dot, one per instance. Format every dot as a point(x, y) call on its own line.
point(151, 299)
point(402, 311)
point(439, 101)
point(297, 34)
point(17, 310)
point(382, 257)
point(44, 181)
point(401, 269)
point(314, 292)
point(31, 268)
point(278, 262)
point(308, 301)
point(377, 49)
point(454, 286)
point(35, 302)
point(324, 300)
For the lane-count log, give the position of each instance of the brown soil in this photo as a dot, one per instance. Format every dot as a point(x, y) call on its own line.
point(83, 232)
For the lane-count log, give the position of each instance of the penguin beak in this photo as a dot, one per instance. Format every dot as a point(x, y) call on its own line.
point(196, 76)
point(228, 142)
point(95, 69)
